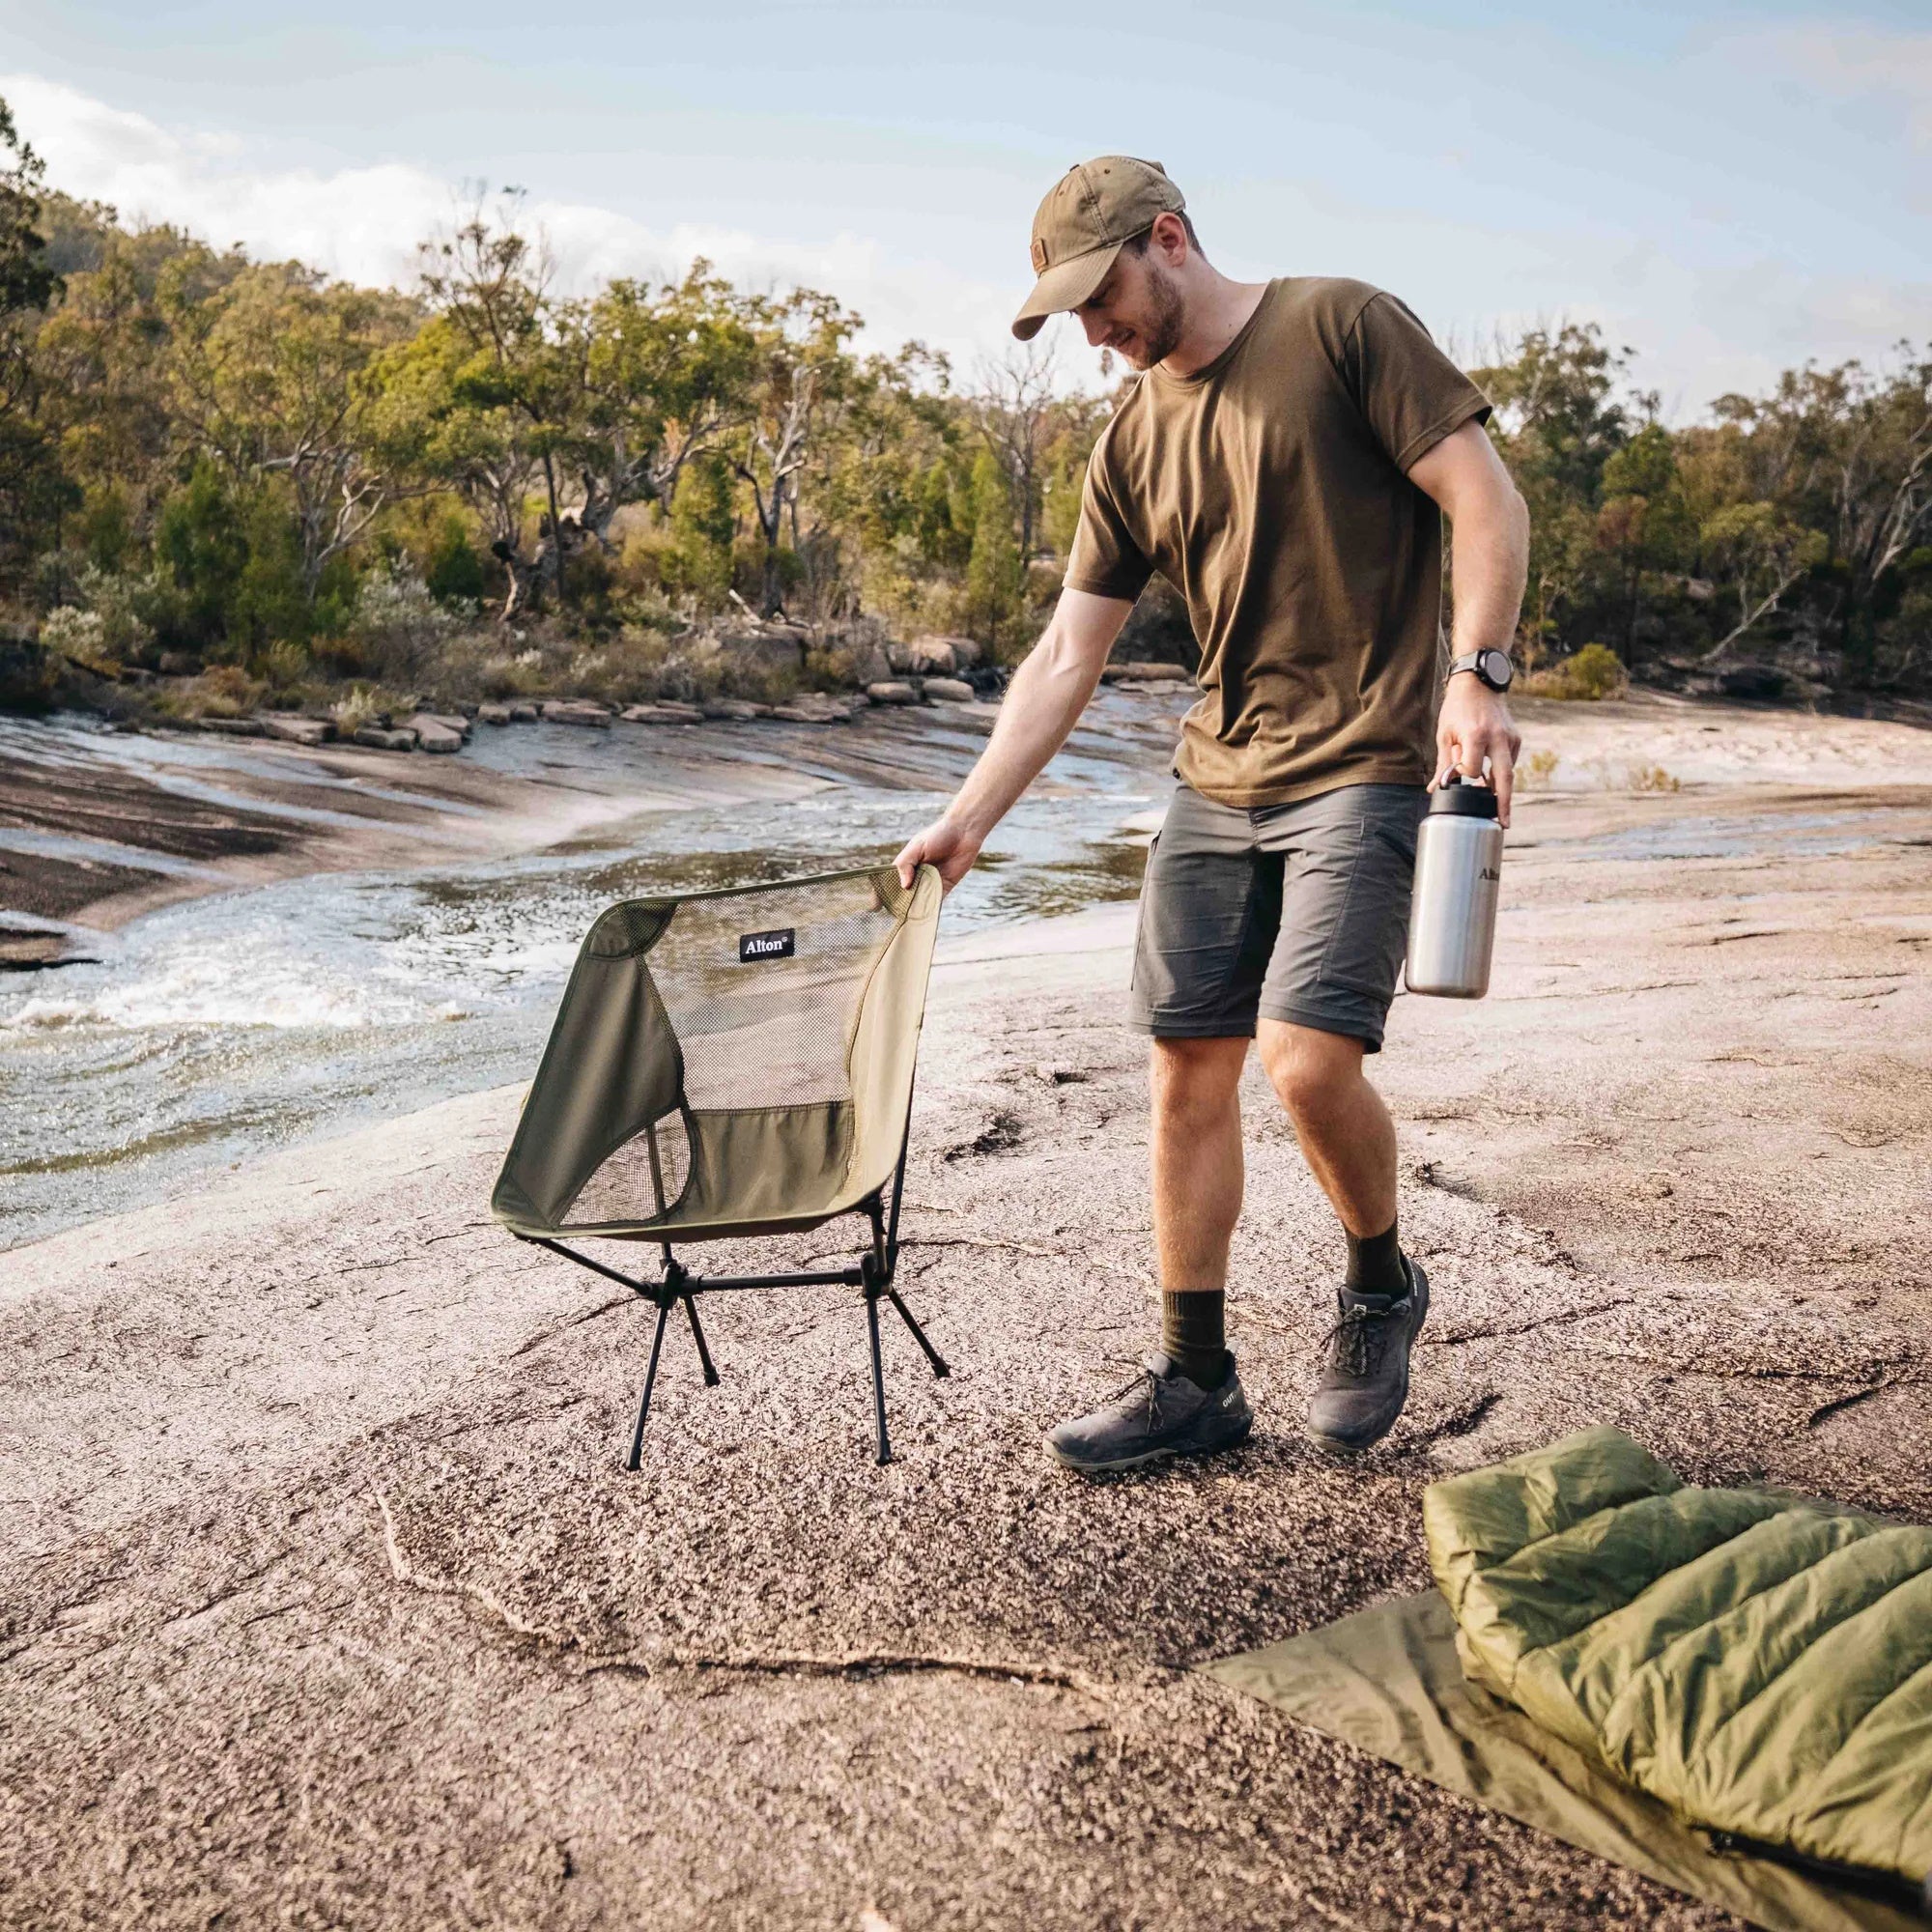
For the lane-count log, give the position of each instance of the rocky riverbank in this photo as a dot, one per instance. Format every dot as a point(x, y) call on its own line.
point(330, 1602)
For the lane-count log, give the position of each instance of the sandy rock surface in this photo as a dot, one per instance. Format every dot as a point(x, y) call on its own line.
point(329, 1602)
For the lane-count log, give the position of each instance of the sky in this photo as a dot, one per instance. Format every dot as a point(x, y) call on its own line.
point(1727, 190)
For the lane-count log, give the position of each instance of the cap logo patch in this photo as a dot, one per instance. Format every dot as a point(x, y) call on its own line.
point(1038, 256)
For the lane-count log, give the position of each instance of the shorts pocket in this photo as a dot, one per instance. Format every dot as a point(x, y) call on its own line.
point(1368, 929)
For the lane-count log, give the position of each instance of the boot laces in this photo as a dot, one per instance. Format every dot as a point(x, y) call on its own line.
point(1145, 1388)
point(1358, 1339)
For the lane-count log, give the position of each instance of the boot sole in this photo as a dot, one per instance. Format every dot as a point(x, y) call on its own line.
point(1346, 1446)
point(1165, 1454)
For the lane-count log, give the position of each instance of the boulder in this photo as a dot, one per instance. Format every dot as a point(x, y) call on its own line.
point(739, 710)
point(890, 691)
point(663, 714)
point(234, 727)
point(574, 711)
point(498, 714)
point(765, 647)
point(523, 713)
point(432, 726)
point(948, 691)
point(924, 657)
point(379, 738)
point(297, 730)
point(814, 708)
point(869, 662)
point(1143, 674)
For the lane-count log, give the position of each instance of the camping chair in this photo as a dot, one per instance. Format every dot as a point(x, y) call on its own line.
point(733, 1063)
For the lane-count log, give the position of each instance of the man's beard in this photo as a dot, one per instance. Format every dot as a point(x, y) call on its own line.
point(1159, 335)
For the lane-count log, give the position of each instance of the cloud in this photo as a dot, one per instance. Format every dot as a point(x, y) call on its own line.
point(365, 224)
point(1860, 63)
point(1700, 329)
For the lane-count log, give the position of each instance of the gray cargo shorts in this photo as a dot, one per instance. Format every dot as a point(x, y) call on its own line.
point(1289, 911)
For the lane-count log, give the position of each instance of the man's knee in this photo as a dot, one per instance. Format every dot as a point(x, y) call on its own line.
point(1307, 1067)
point(1196, 1077)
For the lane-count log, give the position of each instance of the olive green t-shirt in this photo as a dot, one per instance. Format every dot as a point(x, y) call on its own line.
point(1270, 488)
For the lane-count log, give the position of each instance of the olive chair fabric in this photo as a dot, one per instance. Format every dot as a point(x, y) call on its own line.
point(1760, 1662)
point(728, 1064)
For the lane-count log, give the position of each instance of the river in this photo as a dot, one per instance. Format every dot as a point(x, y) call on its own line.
point(248, 1019)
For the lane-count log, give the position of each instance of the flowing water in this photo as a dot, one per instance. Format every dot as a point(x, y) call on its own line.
point(216, 1028)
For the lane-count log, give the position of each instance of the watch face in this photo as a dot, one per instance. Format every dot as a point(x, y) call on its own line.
point(1494, 668)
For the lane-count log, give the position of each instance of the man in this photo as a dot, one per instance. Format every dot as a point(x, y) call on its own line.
point(1285, 462)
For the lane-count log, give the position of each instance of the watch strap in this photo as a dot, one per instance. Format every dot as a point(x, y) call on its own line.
point(1472, 662)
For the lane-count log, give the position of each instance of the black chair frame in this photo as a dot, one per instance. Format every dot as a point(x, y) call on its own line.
point(873, 1276)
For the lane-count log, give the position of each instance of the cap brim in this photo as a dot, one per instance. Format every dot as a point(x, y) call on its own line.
point(1064, 286)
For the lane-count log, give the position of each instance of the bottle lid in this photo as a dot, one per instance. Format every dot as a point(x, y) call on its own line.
point(1467, 796)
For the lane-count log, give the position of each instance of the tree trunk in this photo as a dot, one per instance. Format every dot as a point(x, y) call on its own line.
point(554, 544)
point(771, 603)
point(525, 575)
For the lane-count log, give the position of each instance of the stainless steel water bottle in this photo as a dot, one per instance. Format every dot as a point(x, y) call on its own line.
point(1452, 915)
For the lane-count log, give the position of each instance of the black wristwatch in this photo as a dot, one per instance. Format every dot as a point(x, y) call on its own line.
point(1490, 666)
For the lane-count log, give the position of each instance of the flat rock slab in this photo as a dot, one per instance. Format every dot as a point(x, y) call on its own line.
point(432, 736)
point(382, 738)
point(949, 690)
point(297, 730)
point(662, 714)
point(801, 713)
point(329, 1601)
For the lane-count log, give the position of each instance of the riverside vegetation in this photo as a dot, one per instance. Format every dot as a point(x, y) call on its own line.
point(229, 485)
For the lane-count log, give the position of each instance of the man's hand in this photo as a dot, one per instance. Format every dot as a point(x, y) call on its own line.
point(1474, 728)
point(944, 845)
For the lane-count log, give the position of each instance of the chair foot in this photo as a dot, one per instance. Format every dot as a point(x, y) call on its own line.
point(885, 1454)
point(637, 1455)
point(698, 1336)
point(932, 1354)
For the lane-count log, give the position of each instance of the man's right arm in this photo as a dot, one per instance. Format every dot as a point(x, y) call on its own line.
point(1042, 704)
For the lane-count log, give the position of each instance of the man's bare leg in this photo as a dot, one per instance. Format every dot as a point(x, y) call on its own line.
point(1198, 1170)
point(1344, 1131)
point(1192, 1404)
point(1348, 1141)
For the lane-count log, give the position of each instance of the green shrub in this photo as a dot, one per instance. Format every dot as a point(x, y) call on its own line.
point(1594, 672)
point(452, 568)
point(226, 691)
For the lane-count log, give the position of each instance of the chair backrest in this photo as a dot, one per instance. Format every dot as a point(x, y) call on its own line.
point(727, 1062)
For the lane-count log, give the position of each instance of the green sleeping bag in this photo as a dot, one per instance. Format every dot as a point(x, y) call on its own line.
point(1760, 1662)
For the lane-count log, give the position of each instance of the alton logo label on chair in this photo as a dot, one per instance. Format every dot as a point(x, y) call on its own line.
point(779, 945)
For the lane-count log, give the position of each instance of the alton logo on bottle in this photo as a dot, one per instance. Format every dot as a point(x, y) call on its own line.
point(779, 945)
point(1489, 873)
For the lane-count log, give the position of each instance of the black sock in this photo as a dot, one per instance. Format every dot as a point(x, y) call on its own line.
point(1193, 1337)
point(1375, 1266)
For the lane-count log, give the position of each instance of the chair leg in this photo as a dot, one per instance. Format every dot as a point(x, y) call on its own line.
point(698, 1336)
point(650, 1381)
point(878, 1381)
point(932, 1354)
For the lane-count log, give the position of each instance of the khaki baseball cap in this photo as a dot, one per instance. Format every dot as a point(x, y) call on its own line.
point(1081, 226)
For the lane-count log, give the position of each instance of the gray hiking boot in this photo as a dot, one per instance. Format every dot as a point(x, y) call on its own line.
point(1159, 1413)
point(1365, 1380)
